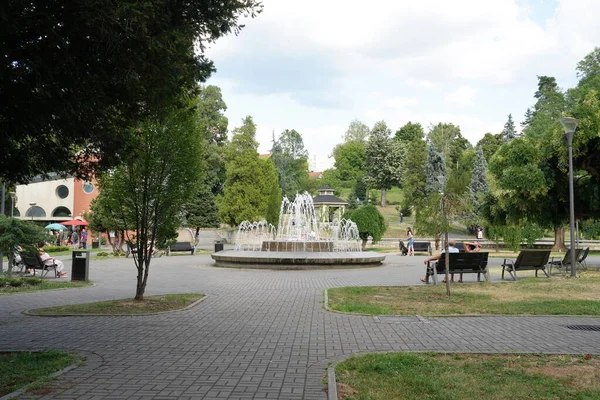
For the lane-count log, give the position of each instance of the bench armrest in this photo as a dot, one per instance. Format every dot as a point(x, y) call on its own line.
point(508, 261)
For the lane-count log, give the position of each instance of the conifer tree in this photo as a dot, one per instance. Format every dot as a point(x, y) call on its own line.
point(434, 169)
point(478, 186)
point(509, 132)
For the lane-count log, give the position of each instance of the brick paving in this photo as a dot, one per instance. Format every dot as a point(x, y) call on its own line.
point(260, 334)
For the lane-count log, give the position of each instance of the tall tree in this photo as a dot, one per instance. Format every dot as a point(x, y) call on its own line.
point(448, 141)
point(378, 168)
point(489, 144)
point(356, 132)
point(158, 176)
point(478, 188)
point(509, 132)
point(291, 160)
point(410, 132)
point(412, 176)
point(349, 160)
point(245, 196)
point(74, 80)
point(202, 211)
point(435, 171)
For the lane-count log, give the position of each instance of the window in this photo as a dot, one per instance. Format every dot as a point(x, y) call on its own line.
point(61, 212)
point(62, 191)
point(35, 211)
point(88, 187)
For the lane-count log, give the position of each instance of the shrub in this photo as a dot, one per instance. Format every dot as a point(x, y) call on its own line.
point(3, 281)
point(33, 281)
point(102, 254)
point(15, 282)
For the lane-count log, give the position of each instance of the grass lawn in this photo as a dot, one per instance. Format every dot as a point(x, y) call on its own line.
point(18, 285)
point(150, 304)
point(468, 376)
point(530, 296)
point(18, 369)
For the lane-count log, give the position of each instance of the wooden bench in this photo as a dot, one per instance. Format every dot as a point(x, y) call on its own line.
point(460, 263)
point(181, 246)
point(564, 264)
point(33, 261)
point(422, 246)
point(528, 260)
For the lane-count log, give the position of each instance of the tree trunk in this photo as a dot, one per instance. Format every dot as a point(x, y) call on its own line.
point(364, 244)
point(447, 256)
point(559, 239)
point(383, 197)
point(437, 241)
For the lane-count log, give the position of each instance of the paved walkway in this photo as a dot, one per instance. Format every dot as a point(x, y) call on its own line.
point(258, 335)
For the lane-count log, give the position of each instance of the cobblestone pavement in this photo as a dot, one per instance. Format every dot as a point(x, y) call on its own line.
point(260, 334)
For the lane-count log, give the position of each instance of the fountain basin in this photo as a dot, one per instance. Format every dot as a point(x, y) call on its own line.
point(297, 246)
point(287, 260)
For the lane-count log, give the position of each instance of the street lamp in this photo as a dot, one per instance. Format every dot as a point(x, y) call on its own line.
point(13, 198)
point(442, 180)
point(32, 204)
point(570, 125)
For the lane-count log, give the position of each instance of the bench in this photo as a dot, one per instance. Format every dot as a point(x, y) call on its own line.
point(460, 263)
point(565, 263)
point(181, 246)
point(527, 260)
point(131, 248)
point(422, 246)
point(33, 261)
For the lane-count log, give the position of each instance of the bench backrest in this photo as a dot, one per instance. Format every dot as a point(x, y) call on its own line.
point(182, 246)
point(584, 255)
point(532, 258)
point(463, 261)
point(32, 260)
point(421, 245)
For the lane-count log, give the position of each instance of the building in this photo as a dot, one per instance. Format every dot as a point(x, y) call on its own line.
point(53, 199)
point(328, 207)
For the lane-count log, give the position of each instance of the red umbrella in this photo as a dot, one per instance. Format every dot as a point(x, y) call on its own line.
point(75, 222)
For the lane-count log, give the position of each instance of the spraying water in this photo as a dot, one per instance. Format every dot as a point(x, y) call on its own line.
point(299, 230)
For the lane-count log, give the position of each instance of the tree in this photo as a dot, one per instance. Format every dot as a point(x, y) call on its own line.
point(202, 211)
point(156, 179)
point(369, 221)
point(441, 136)
point(434, 170)
point(15, 232)
point(377, 161)
point(75, 81)
point(410, 132)
point(509, 132)
point(246, 196)
point(349, 160)
point(478, 187)
point(356, 132)
point(490, 143)
point(270, 187)
point(291, 160)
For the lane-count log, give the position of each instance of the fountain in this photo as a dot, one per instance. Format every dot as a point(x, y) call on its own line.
point(300, 241)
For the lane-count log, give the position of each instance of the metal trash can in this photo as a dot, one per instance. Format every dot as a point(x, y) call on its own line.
point(80, 267)
point(95, 244)
point(218, 246)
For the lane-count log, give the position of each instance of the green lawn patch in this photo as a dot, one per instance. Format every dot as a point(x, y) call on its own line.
point(18, 284)
point(468, 376)
point(150, 304)
point(20, 369)
point(530, 296)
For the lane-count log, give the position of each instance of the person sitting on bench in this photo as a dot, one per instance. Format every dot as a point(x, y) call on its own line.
point(50, 261)
point(470, 247)
point(451, 249)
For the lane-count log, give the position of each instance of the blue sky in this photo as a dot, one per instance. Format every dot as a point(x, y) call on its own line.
point(315, 65)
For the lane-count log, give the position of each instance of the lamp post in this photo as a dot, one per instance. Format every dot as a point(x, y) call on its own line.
point(570, 125)
point(442, 180)
point(32, 204)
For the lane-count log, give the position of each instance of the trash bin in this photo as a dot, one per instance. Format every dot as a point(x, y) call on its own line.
point(95, 244)
point(218, 246)
point(80, 267)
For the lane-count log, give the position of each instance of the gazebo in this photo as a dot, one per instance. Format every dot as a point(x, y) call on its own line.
point(328, 207)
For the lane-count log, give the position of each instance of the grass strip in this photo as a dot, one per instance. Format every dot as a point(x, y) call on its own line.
point(150, 304)
point(19, 369)
point(530, 296)
point(32, 284)
point(468, 376)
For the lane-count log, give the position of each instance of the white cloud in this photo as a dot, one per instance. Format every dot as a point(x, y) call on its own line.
point(464, 95)
point(315, 65)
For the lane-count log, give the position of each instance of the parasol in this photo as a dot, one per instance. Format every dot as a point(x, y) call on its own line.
point(75, 222)
point(56, 227)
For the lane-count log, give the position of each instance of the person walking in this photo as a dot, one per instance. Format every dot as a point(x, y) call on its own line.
point(411, 242)
point(83, 241)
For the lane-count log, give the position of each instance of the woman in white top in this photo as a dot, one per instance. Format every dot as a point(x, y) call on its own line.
point(50, 261)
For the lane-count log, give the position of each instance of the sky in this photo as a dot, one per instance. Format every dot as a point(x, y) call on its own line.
point(315, 65)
